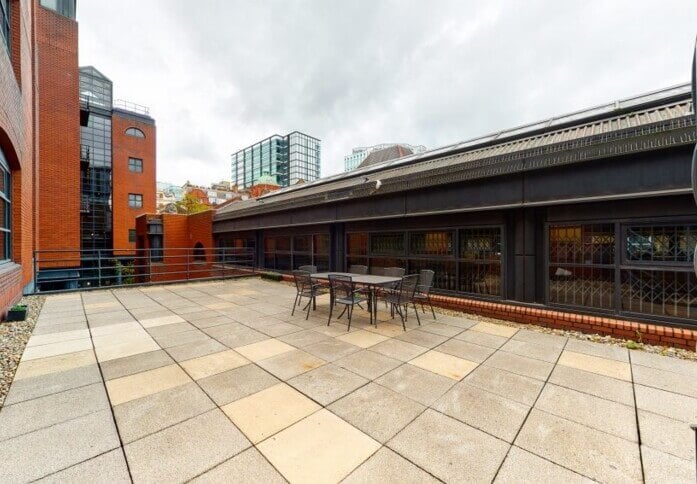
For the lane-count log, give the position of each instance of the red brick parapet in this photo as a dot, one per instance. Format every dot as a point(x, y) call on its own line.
point(650, 333)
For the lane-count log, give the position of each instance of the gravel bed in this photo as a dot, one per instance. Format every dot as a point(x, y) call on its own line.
point(13, 339)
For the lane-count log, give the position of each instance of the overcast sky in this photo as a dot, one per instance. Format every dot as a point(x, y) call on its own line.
point(219, 75)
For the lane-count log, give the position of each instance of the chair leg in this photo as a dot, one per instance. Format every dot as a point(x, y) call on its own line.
point(423, 309)
point(429, 303)
point(350, 314)
point(342, 312)
point(295, 303)
point(314, 303)
point(309, 307)
point(331, 308)
point(417, 314)
point(399, 310)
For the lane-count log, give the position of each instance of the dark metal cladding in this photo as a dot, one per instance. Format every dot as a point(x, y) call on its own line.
point(694, 155)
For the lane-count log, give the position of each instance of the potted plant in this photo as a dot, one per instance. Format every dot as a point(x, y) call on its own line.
point(18, 312)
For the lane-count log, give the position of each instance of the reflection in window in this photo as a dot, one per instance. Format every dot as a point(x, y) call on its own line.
point(135, 165)
point(387, 244)
point(581, 259)
point(63, 7)
point(5, 209)
point(5, 22)
point(135, 132)
point(135, 200)
point(663, 243)
point(480, 267)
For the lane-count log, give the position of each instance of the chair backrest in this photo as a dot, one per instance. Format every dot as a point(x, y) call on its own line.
point(358, 269)
point(310, 269)
point(394, 272)
point(425, 281)
point(341, 285)
point(407, 288)
point(377, 271)
point(303, 281)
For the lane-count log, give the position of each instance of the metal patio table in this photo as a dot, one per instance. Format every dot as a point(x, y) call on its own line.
point(366, 280)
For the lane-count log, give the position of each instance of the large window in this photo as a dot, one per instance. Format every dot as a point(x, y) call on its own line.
point(63, 7)
point(464, 260)
point(651, 275)
point(5, 22)
point(135, 200)
point(135, 165)
point(5, 210)
point(286, 253)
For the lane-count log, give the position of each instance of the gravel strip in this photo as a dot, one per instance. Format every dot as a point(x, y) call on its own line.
point(13, 339)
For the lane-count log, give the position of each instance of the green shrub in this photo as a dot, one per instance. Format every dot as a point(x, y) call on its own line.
point(272, 276)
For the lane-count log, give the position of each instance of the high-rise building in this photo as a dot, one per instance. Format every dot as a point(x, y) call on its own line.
point(286, 159)
point(357, 155)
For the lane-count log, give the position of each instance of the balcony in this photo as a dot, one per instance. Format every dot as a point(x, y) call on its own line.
point(132, 107)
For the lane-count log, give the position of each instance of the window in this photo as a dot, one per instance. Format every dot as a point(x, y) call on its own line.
point(199, 253)
point(5, 22)
point(135, 200)
point(286, 253)
point(64, 7)
point(135, 165)
point(135, 132)
point(132, 235)
point(155, 240)
point(5, 210)
point(480, 265)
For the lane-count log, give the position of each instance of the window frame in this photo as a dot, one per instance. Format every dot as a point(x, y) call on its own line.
point(135, 198)
point(132, 236)
point(134, 132)
point(6, 197)
point(133, 165)
point(5, 23)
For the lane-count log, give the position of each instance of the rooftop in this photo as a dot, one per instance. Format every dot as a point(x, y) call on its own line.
point(665, 109)
point(218, 380)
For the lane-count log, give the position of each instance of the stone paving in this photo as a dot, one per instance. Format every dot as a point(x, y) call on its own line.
point(217, 382)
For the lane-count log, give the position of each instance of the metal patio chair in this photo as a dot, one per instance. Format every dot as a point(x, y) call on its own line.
point(402, 296)
point(423, 289)
point(310, 269)
point(306, 287)
point(358, 269)
point(391, 272)
point(344, 292)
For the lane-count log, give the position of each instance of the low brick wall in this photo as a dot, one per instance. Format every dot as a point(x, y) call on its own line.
point(10, 286)
point(654, 334)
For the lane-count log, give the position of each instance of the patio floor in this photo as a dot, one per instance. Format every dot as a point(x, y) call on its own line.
point(218, 382)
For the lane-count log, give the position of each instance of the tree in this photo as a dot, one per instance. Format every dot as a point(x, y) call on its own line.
point(190, 204)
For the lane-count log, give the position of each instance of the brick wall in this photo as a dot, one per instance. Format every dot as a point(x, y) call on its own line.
point(125, 181)
point(58, 134)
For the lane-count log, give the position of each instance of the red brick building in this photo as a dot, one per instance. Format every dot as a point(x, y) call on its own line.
point(46, 164)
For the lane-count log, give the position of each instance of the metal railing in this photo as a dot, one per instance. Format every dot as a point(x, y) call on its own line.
point(76, 269)
point(131, 106)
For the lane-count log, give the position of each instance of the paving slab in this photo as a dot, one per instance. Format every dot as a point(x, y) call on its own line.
point(331, 349)
point(54, 364)
point(594, 364)
point(137, 418)
point(368, 364)
point(303, 338)
point(387, 466)
point(522, 466)
point(362, 338)
point(196, 349)
point(127, 388)
point(60, 446)
point(269, 411)
point(377, 411)
point(232, 385)
point(520, 365)
point(667, 435)
point(465, 350)
point(665, 403)
point(598, 349)
point(589, 452)
point(444, 364)
point(248, 467)
point(539, 338)
point(482, 339)
point(54, 349)
point(495, 329)
point(665, 380)
point(106, 468)
point(441, 329)
point(320, 448)
point(485, 411)
point(399, 350)
point(49, 383)
point(327, 383)
point(131, 365)
point(449, 449)
point(617, 419)
point(420, 385)
point(212, 364)
point(660, 362)
point(291, 363)
point(662, 468)
point(422, 338)
point(31, 415)
point(537, 351)
point(592, 383)
point(264, 349)
point(185, 450)
point(521, 389)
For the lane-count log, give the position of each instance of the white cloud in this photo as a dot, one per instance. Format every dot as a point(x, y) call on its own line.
point(220, 75)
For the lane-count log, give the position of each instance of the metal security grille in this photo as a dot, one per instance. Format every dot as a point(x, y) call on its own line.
point(668, 243)
point(660, 293)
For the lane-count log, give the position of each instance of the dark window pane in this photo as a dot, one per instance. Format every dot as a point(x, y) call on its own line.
point(480, 244)
point(131, 235)
point(660, 293)
point(444, 277)
point(283, 244)
point(483, 277)
point(431, 243)
point(135, 132)
point(668, 243)
point(387, 244)
point(357, 244)
point(381, 262)
point(321, 244)
point(582, 244)
point(302, 243)
point(586, 286)
point(301, 260)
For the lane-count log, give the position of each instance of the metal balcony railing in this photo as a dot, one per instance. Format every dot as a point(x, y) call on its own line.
point(132, 107)
point(75, 269)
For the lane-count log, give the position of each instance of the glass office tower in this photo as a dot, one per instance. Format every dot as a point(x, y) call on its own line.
point(95, 159)
point(286, 159)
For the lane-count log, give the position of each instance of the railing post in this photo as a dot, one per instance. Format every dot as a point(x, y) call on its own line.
point(187, 264)
point(36, 279)
point(99, 268)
